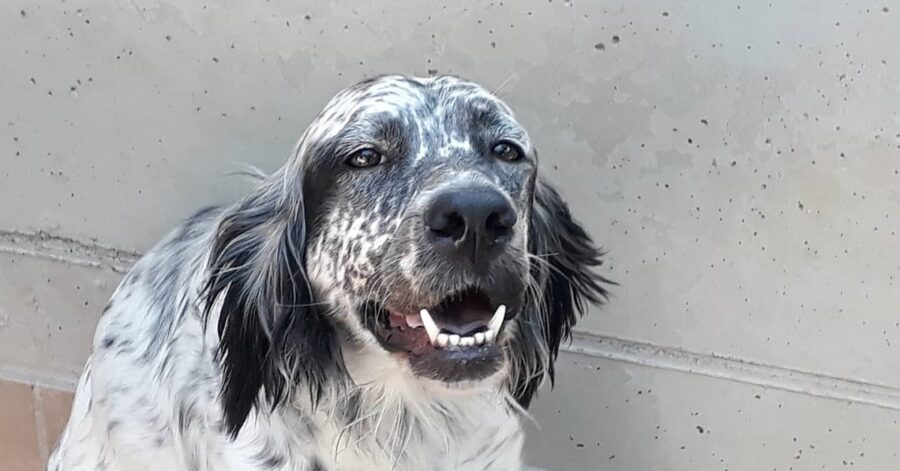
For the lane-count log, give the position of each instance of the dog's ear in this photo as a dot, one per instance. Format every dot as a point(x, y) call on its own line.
point(271, 333)
point(564, 264)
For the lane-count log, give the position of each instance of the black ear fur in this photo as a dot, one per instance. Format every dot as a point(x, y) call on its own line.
point(271, 334)
point(567, 281)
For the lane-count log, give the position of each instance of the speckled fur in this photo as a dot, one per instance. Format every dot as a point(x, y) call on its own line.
point(237, 343)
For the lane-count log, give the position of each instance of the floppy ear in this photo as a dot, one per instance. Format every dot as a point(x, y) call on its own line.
point(272, 336)
point(564, 261)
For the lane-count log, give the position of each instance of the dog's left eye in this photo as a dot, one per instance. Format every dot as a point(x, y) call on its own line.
point(365, 158)
point(506, 151)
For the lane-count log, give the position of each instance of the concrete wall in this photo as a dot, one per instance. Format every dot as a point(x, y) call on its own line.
point(739, 160)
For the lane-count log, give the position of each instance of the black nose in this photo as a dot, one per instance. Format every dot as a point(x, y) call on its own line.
point(472, 222)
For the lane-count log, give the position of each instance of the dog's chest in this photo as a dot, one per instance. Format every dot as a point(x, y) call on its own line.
point(481, 435)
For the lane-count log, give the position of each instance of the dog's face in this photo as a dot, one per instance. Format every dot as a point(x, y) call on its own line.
point(409, 224)
point(418, 200)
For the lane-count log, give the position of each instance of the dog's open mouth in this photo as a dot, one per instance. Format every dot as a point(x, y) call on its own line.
point(453, 340)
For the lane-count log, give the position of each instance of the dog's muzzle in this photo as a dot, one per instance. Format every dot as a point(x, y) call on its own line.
point(457, 334)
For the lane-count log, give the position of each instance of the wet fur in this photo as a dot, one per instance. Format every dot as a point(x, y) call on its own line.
point(235, 344)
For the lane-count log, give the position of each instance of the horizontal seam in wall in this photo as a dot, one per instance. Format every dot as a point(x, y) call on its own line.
point(91, 254)
point(66, 250)
point(44, 379)
point(733, 369)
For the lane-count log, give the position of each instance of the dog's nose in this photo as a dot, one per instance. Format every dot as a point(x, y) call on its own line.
point(472, 222)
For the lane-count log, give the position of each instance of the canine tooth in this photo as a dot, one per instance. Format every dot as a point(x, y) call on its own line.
point(479, 338)
point(454, 340)
point(489, 336)
point(442, 340)
point(497, 320)
point(429, 324)
point(466, 341)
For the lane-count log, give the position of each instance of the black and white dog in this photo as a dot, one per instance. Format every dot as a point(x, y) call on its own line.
point(389, 299)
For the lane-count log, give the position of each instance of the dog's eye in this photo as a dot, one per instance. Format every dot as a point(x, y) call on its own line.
point(365, 158)
point(506, 151)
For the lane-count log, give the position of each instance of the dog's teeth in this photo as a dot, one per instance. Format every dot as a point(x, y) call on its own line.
point(488, 336)
point(413, 321)
point(429, 325)
point(454, 340)
point(466, 342)
point(479, 338)
point(442, 340)
point(497, 320)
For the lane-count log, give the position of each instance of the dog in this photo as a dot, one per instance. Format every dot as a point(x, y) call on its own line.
point(391, 298)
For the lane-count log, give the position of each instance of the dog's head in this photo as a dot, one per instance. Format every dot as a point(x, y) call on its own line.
point(410, 228)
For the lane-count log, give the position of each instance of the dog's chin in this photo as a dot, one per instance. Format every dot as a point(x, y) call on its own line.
point(458, 367)
point(457, 342)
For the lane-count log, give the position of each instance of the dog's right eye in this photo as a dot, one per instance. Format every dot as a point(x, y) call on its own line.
point(365, 158)
point(506, 151)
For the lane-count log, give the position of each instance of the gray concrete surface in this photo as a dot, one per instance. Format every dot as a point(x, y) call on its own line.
point(740, 160)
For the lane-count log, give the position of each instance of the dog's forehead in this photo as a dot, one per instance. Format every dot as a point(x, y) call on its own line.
point(435, 99)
